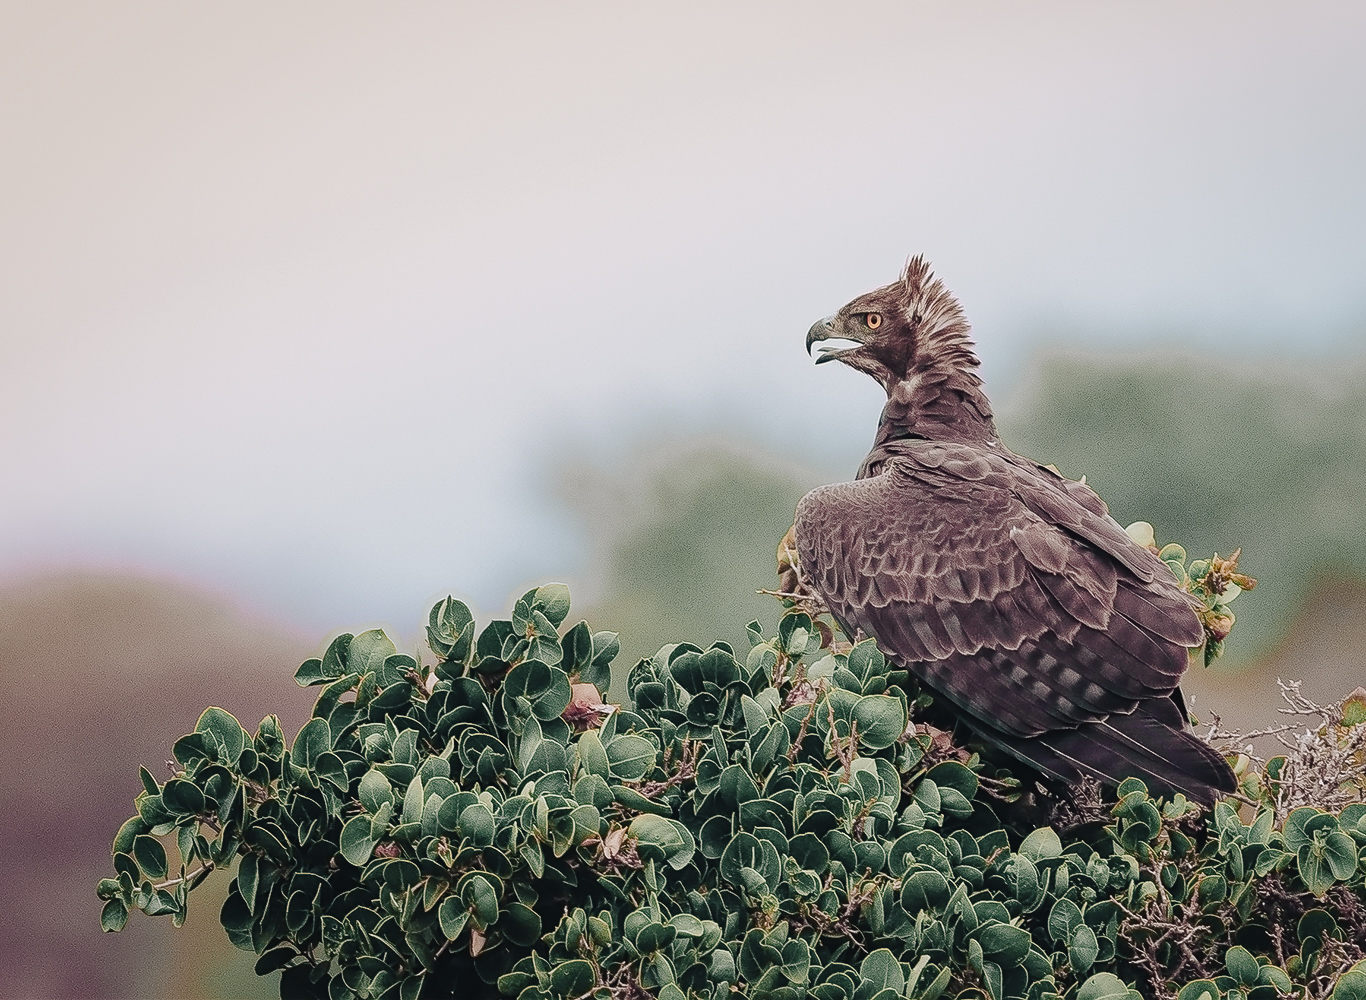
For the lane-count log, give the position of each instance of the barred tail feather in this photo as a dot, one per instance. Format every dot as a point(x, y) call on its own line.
point(1144, 744)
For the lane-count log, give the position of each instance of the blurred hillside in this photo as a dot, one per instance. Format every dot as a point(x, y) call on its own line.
point(98, 675)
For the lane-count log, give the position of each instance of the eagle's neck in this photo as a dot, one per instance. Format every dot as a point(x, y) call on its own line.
point(933, 405)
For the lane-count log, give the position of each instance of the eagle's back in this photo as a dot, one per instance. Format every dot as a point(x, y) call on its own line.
point(1012, 592)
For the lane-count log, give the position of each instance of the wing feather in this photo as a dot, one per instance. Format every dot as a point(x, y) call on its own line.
point(1147, 743)
point(1015, 596)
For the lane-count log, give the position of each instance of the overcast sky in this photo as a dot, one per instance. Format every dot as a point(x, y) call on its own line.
point(295, 297)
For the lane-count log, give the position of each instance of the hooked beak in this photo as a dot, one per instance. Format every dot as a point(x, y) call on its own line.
point(825, 330)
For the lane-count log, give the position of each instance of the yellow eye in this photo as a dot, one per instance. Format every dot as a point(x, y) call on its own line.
point(873, 320)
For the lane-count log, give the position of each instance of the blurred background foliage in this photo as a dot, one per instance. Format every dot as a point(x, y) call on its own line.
point(1215, 456)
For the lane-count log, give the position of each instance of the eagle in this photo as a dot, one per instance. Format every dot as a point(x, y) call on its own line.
point(1003, 586)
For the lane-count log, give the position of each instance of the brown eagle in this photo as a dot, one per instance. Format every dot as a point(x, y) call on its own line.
point(1005, 587)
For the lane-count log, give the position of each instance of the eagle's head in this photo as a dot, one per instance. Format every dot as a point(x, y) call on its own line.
point(912, 325)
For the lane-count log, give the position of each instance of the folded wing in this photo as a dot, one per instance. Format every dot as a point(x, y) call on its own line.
point(1011, 592)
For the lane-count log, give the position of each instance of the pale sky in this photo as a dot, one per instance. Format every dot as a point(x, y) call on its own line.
point(299, 301)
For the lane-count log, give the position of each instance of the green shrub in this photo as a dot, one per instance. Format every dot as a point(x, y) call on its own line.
point(785, 821)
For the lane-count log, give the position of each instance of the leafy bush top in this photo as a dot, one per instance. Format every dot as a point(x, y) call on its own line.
point(783, 821)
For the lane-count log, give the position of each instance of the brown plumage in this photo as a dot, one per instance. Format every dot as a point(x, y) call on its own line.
point(1005, 587)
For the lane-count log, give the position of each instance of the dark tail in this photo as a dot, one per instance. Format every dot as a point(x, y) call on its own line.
point(1151, 743)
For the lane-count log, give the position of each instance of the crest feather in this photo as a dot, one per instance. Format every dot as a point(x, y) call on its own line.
point(941, 329)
